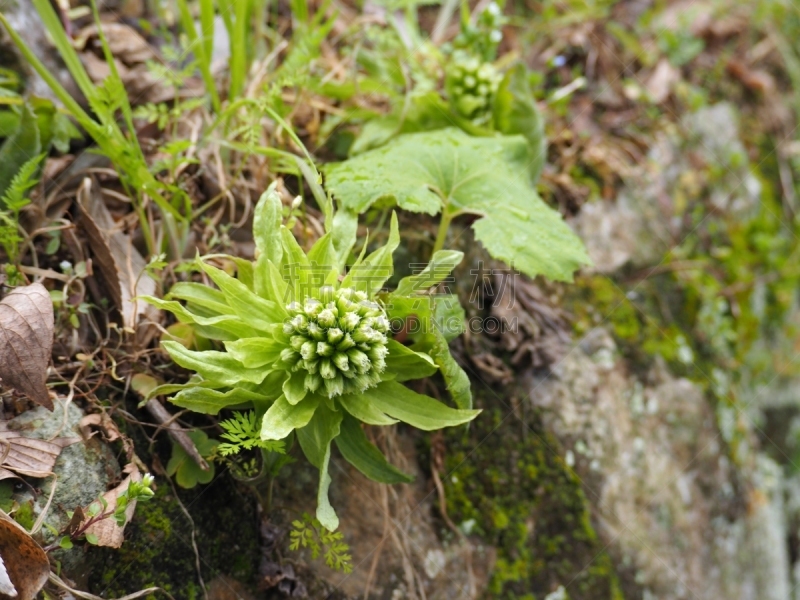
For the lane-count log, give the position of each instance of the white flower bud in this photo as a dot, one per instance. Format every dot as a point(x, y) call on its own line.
point(335, 335)
point(326, 318)
point(341, 361)
point(327, 369)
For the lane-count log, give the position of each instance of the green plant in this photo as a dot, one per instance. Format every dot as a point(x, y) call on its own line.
point(68, 301)
point(81, 521)
point(13, 200)
point(453, 173)
point(481, 35)
point(309, 347)
point(309, 533)
point(183, 467)
point(105, 101)
point(243, 432)
point(471, 85)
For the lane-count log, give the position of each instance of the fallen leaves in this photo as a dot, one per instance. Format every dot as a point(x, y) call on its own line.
point(662, 80)
point(136, 61)
point(119, 264)
point(29, 456)
point(24, 567)
point(26, 340)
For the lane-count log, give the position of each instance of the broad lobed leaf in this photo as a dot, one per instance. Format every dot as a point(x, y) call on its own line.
point(452, 171)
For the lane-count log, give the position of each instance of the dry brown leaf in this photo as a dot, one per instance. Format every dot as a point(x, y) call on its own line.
point(29, 456)
point(118, 262)
point(111, 432)
point(123, 41)
point(6, 474)
point(24, 567)
point(26, 340)
point(755, 79)
point(663, 79)
point(104, 422)
point(107, 531)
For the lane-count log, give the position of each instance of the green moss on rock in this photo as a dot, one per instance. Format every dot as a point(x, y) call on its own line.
point(511, 487)
point(158, 549)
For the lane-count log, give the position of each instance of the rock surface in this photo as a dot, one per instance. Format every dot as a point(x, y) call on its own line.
point(662, 488)
point(23, 18)
point(704, 154)
point(83, 471)
point(394, 538)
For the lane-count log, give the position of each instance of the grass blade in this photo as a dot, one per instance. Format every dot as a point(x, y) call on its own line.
point(201, 46)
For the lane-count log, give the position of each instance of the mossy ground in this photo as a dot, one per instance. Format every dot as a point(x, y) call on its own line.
point(157, 550)
point(508, 481)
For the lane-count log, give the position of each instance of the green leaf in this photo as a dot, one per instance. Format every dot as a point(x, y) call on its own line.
point(407, 364)
point(267, 220)
point(210, 402)
point(255, 352)
point(15, 197)
point(323, 255)
point(417, 112)
point(370, 275)
point(315, 437)
point(223, 327)
point(187, 472)
point(250, 308)
point(365, 456)
point(440, 266)
point(315, 440)
point(170, 388)
point(214, 366)
point(422, 412)
point(294, 266)
point(282, 418)
point(294, 387)
point(515, 112)
point(201, 296)
point(360, 407)
point(451, 171)
point(244, 271)
point(325, 513)
point(448, 316)
point(269, 282)
point(456, 380)
point(20, 147)
point(345, 229)
point(63, 132)
point(200, 46)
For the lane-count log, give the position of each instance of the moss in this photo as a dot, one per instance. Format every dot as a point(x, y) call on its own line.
point(522, 498)
point(24, 515)
point(158, 551)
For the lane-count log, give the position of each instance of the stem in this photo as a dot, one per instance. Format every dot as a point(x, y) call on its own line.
point(444, 225)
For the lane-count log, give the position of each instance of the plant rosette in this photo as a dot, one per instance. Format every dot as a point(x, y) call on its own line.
point(308, 345)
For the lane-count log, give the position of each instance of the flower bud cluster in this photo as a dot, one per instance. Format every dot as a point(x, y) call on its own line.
point(471, 85)
point(339, 341)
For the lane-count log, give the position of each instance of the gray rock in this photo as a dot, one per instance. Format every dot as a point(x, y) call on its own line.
point(644, 221)
point(392, 534)
point(24, 19)
point(665, 494)
point(83, 470)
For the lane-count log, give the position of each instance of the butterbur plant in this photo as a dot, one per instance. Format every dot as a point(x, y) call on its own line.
point(308, 346)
